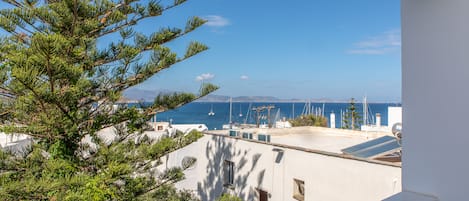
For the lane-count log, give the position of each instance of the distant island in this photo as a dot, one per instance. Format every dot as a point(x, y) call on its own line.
point(139, 95)
point(254, 99)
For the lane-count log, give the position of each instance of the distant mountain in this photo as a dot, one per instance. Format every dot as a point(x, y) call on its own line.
point(214, 98)
point(219, 98)
point(271, 99)
point(149, 95)
point(141, 94)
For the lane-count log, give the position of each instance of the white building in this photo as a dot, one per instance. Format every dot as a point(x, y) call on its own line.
point(185, 128)
point(297, 164)
point(18, 144)
point(394, 116)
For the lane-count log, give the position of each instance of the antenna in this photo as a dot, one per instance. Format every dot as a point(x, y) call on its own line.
point(258, 116)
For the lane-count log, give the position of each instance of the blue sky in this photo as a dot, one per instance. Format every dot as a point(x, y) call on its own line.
point(306, 49)
point(289, 49)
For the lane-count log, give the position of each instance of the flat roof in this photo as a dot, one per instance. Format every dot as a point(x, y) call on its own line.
point(317, 138)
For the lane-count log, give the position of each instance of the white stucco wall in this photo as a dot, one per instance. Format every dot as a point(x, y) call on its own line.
point(394, 115)
point(15, 143)
point(326, 177)
point(435, 76)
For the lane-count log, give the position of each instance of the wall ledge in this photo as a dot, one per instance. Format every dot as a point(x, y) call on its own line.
point(411, 196)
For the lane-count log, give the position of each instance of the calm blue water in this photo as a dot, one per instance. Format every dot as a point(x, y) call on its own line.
point(195, 113)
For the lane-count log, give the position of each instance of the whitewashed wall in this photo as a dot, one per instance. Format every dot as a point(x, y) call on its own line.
point(394, 115)
point(435, 97)
point(326, 177)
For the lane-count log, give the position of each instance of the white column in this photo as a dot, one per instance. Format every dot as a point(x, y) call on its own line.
point(435, 97)
point(378, 119)
point(332, 120)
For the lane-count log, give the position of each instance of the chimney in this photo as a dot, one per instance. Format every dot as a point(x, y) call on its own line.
point(378, 119)
point(332, 120)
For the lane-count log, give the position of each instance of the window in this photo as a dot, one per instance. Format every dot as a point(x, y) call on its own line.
point(298, 189)
point(228, 173)
point(263, 195)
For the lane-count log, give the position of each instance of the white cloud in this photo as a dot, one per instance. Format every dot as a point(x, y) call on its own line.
point(205, 76)
point(384, 43)
point(244, 77)
point(216, 21)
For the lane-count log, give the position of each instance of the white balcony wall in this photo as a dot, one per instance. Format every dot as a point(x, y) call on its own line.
point(435, 76)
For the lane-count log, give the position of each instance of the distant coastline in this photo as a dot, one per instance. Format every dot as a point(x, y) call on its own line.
point(138, 95)
point(268, 99)
point(255, 99)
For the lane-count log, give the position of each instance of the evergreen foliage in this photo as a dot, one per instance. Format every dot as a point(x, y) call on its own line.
point(228, 197)
point(352, 118)
point(58, 85)
point(309, 120)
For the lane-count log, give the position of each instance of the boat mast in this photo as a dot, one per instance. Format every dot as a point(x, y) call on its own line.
point(365, 111)
point(293, 113)
point(247, 113)
point(341, 118)
point(323, 105)
point(231, 108)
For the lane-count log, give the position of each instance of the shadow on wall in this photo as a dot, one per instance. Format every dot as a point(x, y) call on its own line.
point(217, 151)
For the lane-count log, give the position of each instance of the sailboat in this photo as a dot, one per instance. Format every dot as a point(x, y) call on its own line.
point(368, 118)
point(211, 113)
point(240, 114)
point(230, 124)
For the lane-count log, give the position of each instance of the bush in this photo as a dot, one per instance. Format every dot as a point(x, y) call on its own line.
point(228, 197)
point(309, 120)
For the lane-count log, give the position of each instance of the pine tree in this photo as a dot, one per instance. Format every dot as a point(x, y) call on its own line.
point(351, 119)
point(58, 86)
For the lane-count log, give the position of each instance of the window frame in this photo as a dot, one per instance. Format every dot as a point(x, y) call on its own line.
point(228, 174)
point(259, 192)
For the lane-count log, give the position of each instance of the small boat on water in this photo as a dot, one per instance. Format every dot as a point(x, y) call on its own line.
point(211, 113)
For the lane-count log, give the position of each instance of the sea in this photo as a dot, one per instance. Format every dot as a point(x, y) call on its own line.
point(198, 112)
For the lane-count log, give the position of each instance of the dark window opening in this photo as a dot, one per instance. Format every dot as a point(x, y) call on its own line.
point(228, 171)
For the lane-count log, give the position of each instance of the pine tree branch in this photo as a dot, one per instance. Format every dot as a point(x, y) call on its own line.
point(64, 111)
point(75, 16)
point(29, 22)
point(130, 22)
point(164, 103)
point(42, 101)
point(171, 180)
point(175, 101)
point(147, 48)
point(35, 132)
point(141, 77)
point(49, 74)
point(57, 73)
point(13, 3)
point(39, 98)
point(18, 25)
point(118, 27)
point(7, 93)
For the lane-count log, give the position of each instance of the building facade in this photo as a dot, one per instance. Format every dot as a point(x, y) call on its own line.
point(256, 170)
